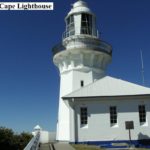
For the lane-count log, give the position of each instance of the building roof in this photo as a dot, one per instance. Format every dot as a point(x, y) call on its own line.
point(109, 86)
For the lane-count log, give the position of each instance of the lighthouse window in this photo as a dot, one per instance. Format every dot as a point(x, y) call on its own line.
point(142, 114)
point(70, 26)
point(113, 115)
point(82, 83)
point(83, 116)
point(86, 24)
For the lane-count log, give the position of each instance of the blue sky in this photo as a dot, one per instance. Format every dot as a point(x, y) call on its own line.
point(29, 81)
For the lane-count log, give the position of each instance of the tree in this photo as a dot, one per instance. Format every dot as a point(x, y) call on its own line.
point(6, 136)
point(11, 141)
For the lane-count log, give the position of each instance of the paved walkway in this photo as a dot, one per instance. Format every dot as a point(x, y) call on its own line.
point(63, 146)
point(44, 147)
point(57, 146)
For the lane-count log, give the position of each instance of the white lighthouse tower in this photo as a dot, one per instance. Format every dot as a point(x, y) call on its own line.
point(81, 58)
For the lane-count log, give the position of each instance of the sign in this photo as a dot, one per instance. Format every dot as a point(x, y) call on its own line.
point(129, 125)
point(26, 5)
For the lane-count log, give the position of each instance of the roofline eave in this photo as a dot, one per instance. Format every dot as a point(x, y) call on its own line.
point(111, 96)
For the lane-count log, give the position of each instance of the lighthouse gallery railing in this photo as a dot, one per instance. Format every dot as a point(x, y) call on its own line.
point(102, 47)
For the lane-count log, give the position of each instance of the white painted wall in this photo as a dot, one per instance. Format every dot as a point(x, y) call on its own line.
point(69, 81)
point(44, 136)
point(86, 77)
point(63, 112)
point(99, 128)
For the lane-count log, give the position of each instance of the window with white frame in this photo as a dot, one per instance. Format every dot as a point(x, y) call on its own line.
point(113, 115)
point(83, 115)
point(142, 114)
point(86, 24)
point(70, 26)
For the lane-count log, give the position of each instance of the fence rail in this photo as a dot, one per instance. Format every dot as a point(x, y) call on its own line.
point(34, 143)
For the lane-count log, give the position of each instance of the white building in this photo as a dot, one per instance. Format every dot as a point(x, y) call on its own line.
point(45, 136)
point(94, 107)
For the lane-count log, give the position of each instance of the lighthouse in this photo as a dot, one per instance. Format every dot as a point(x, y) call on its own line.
point(95, 108)
point(82, 58)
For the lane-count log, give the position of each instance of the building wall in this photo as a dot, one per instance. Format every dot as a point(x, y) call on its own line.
point(63, 112)
point(44, 137)
point(69, 81)
point(99, 128)
point(78, 76)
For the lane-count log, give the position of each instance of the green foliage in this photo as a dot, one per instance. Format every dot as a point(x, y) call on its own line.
point(11, 141)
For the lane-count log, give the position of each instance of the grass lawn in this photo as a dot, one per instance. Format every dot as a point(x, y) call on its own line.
point(88, 147)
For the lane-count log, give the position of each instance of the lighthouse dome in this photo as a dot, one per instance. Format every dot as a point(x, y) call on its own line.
point(80, 6)
point(37, 127)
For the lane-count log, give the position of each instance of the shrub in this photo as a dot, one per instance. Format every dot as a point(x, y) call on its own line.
point(11, 141)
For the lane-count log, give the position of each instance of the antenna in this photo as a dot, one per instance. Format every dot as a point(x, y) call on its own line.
point(142, 65)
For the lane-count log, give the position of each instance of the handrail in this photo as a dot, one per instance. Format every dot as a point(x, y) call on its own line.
point(34, 143)
point(102, 46)
point(85, 31)
point(57, 48)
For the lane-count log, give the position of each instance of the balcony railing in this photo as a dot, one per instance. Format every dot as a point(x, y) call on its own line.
point(106, 47)
point(84, 31)
point(103, 46)
point(34, 143)
point(57, 48)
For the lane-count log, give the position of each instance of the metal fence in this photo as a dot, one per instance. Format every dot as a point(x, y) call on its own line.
point(34, 143)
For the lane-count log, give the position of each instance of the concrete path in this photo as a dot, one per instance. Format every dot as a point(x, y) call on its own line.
point(44, 147)
point(63, 146)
